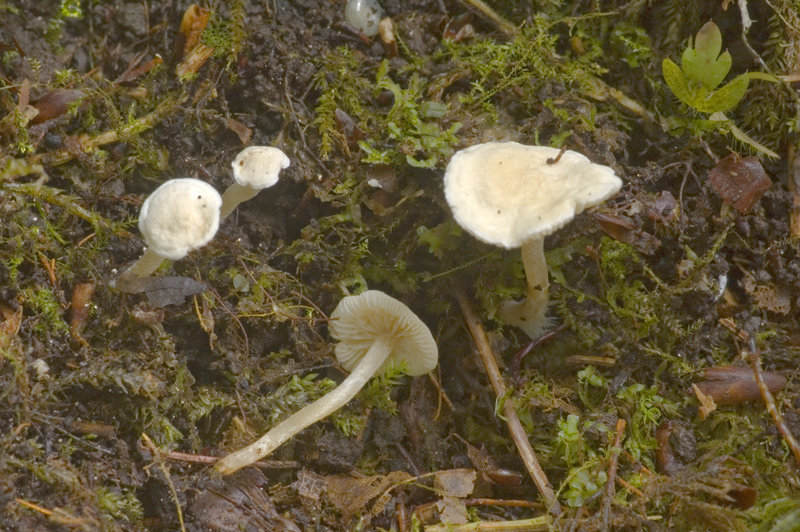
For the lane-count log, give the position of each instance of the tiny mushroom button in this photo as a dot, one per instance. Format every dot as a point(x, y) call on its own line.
point(179, 216)
point(373, 329)
point(255, 168)
point(512, 195)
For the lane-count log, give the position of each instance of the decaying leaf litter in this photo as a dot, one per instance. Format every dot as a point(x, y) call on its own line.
point(114, 404)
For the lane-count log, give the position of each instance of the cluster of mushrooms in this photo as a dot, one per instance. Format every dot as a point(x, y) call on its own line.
point(503, 193)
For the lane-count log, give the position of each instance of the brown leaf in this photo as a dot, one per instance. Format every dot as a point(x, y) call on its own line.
point(79, 308)
point(193, 24)
point(740, 181)
point(728, 385)
point(625, 231)
point(767, 297)
point(240, 129)
point(352, 494)
point(55, 103)
point(664, 208)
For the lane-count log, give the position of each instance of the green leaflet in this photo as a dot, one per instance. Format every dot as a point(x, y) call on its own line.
point(702, 63)
point(699, 97)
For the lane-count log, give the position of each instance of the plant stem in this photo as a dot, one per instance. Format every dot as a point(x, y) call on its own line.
point(321, 408)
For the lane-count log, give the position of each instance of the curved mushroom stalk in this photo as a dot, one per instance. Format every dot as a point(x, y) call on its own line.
point(377, 354)
point(233, 196)
point(529, 314)
point(146, 265)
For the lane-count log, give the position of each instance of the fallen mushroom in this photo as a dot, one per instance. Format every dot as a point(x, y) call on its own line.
point(511, 195)
point(179, 216)
point(254, 169)
point(373, 330)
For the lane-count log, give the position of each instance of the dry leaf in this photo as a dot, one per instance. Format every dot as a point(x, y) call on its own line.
point(706, 401)
point(452, 511)
point(767, 297)
point(309, 485)
point(352, 494)
point(455, 482)
point(79, 309)
point(626, 231)
point(740, 181)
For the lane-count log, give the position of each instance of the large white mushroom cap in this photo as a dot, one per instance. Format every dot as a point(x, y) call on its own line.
point(259, 166)
point(505, 193)
point(180, 216)
point(359, 320)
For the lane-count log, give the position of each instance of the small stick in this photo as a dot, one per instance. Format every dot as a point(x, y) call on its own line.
point(612, 471)
point(551, 160)
point(629, 487)
point(502, 502)
point(502, 24)
point(203, 459)
point(157, 455)
point(515, 427)
point(794, 191)
point(537, 524)
point(755, 358)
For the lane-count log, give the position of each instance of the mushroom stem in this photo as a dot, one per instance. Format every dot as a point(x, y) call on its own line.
point(235, 195)
point(146, 265)
point(378, 353)
point(529, 314)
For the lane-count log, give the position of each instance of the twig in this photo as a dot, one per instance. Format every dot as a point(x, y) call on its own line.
point(514, 425)
point(203, 459)
point(165, 471)
point(502, 502)
point(502, 24)
point(794, 191)
point(755, 358)
point(538, 524)
point(612, 471)
point(629, 487)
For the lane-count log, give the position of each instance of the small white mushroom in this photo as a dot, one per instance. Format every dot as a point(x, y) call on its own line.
point(179, 216)
point(254, 169)
point(364, 15)
point(373, 329)
point(511, 195)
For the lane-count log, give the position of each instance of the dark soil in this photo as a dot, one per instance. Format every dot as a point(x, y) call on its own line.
point(115, 401)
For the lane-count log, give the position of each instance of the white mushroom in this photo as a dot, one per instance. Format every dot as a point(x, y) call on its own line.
point(255, 168)
point(179, 216)
point(511, 195)
point(373, 329)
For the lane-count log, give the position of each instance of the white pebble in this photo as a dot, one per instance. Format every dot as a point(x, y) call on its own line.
point(364, 15)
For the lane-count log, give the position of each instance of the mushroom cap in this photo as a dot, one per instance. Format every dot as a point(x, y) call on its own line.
point(258, 167)
point(505, 193)
point(359, 320)
point(179, 216)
